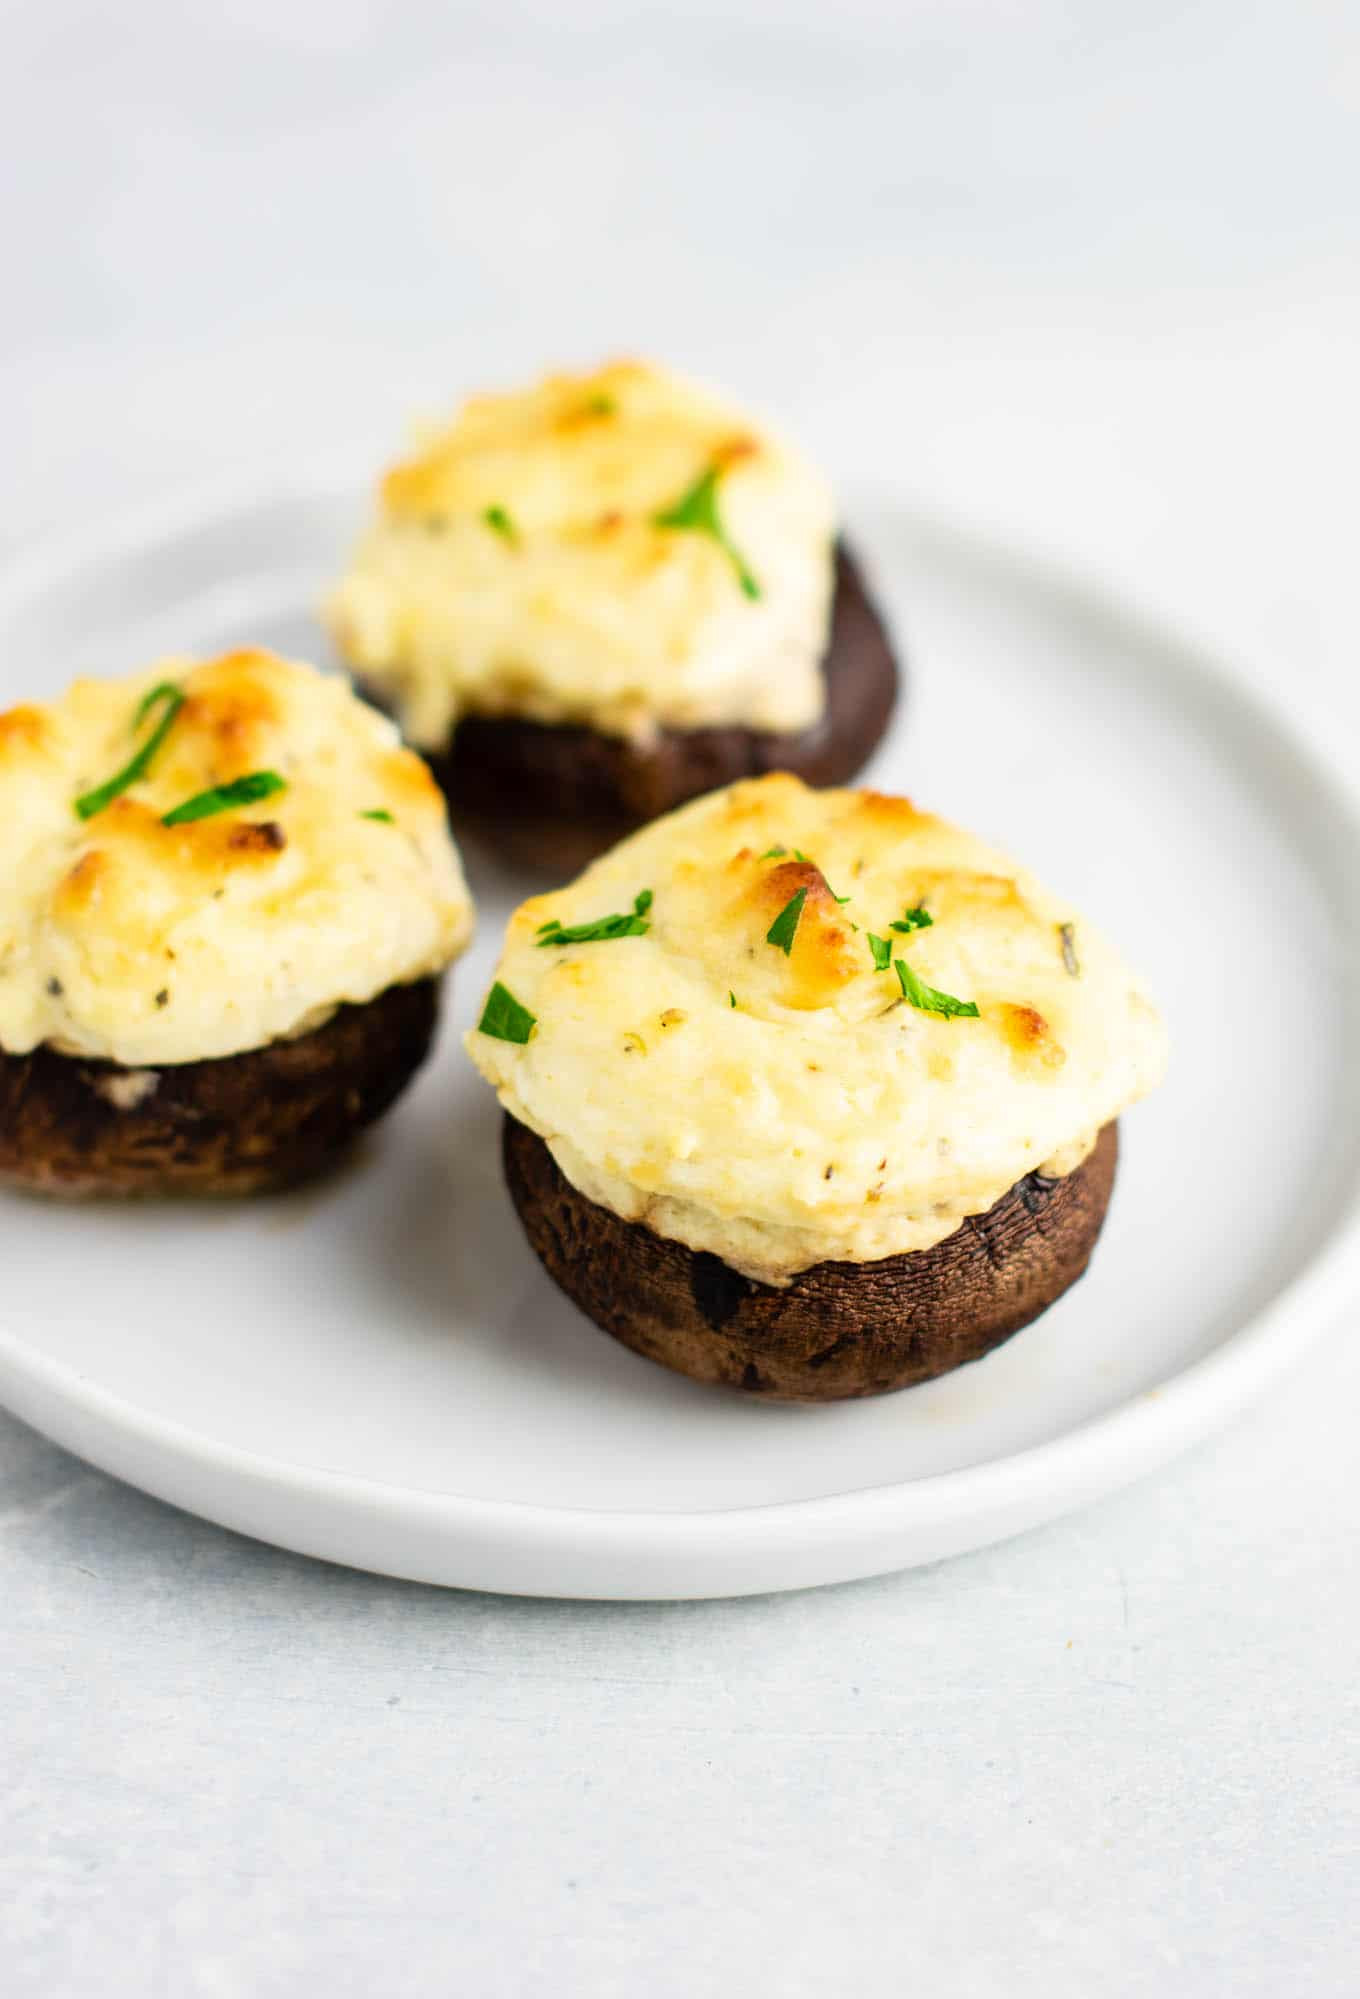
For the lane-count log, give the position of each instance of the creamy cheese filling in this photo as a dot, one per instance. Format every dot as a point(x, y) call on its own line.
point(779, 1108)
point(127, 940)
point(618, 549)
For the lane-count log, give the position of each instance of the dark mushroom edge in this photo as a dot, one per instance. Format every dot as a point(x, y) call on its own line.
point(839, 1329)
point(553, 797)
point(237, 1124)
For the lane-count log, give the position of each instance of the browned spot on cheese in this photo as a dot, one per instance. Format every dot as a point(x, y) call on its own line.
point(882, 813)
point(403, 772)
point(257, 836)
point(592, 408)
point(732, 450)
point(232, 704)
point(1028, 1035)
point(81, 886)
point(821, 960)
point(413, 486)
point(202, 850)
point(772, 887)
point(24, 727)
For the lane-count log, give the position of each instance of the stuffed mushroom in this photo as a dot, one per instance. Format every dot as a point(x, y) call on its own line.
point(592, 600)
point(230, 897)
point(811, 1093)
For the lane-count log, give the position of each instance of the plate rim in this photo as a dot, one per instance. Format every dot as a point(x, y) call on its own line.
point(511, 1546)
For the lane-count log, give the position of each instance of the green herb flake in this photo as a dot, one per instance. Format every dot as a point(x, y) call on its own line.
point(731, 999)
point(927, 1000)
point(1071, 963)
point(696, 512)
point(599, 405)
point(248, 790)
point(504, 1019)
point(781, 932)
point(499, 522)
point(165, 694)
point(381, 814)
point(913, 919)
point(603, 929)
point(882, 950)
point(774, 853)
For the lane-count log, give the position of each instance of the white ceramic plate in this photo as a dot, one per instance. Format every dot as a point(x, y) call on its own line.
point(375, 1370)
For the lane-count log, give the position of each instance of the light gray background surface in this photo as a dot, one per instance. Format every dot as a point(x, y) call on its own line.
point(1087, 276)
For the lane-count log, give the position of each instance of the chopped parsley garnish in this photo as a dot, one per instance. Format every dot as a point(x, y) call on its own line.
point(171, 698)
point(913, 919)
point(503, 1018)
point(882, 950)
point(632, 924)
point(697, 513)
point(781, 931)
point(1071, 962)
point(731, 999)
point(927, 999)
point(248, 790)
point(381, 814)
point(774, 853)
point(499, 522)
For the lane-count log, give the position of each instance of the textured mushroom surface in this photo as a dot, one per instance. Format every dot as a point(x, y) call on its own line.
point(839, 1329)
point(234, 1125)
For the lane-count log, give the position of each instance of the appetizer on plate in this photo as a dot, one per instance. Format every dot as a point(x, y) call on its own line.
point(810, 1092)
point(229, 899)
point(589, 601)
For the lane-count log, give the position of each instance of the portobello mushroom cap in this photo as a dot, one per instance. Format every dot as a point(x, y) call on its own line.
point(556, 796)
point(838, 1330)
point(786, 1137)
point(236, 1124)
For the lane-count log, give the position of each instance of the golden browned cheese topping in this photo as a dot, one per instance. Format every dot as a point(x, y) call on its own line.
point(620, 549)
point(837, 1098)
point(144, 943)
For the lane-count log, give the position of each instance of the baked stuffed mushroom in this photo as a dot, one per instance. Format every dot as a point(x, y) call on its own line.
point(229, 898)
point(592, 600)
point(811, 1093)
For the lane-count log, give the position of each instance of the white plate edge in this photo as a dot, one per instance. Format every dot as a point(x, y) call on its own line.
point(889, 1525)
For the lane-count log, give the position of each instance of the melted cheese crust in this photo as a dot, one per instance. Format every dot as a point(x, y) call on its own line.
point(779, 1109)
point(145, 944)
point(581, 609)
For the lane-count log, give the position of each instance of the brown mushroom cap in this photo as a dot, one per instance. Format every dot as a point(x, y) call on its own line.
point(237, 1124)
point(839, 1329)
point(554, 797)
